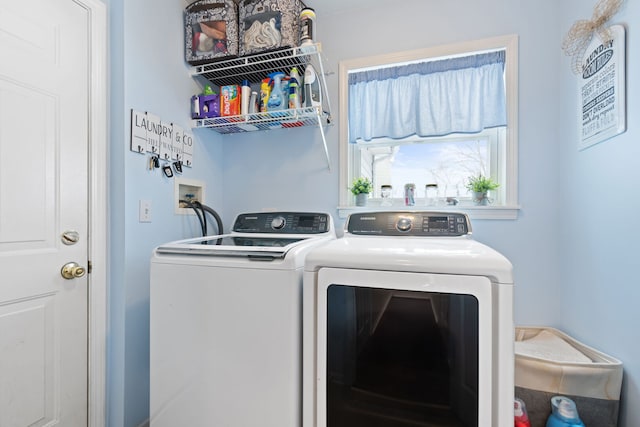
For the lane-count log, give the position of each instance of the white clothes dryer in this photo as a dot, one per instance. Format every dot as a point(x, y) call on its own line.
point(225, 323)
point(407, 322)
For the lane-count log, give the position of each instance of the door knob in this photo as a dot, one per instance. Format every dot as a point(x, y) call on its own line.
point(71, 270)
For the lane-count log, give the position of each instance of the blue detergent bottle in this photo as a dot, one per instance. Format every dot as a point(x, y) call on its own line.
point(277, 100)
point(563, 413)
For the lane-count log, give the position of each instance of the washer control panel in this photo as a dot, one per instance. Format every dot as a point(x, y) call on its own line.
point(425, 224)
point(283, 222)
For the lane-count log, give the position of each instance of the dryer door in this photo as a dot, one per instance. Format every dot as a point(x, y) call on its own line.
point(398, 348)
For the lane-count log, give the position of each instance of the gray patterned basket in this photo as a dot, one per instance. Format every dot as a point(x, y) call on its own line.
point(211, 31)
point(267, 25)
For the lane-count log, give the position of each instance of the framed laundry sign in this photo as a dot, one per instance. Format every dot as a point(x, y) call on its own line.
point(602, 89)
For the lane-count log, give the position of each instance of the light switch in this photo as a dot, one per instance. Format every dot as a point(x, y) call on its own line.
point(144, 214)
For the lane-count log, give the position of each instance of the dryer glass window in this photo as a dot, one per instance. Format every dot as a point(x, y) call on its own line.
point(400, 358)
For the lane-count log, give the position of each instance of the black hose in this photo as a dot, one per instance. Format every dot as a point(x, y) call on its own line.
point(215, 215)
point(200, 216)
point(200, 210)
point(199, 205)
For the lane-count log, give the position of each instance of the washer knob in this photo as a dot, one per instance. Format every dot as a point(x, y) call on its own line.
point(404, 224)
point(278, 222)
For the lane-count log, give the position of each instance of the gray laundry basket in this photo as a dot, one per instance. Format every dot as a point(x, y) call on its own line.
point(549, 363)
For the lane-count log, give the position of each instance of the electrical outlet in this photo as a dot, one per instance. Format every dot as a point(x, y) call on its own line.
point(144, 213)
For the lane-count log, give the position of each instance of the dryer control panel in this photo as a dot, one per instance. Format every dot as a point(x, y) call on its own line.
point(421, 224)
point(283, 223)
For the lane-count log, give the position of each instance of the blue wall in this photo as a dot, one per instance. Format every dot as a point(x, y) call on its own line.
point(286, 168)
point(575, 276)
point(599, 286)
point(147, 74)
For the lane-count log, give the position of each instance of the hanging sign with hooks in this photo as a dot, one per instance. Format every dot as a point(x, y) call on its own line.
point(163, 140)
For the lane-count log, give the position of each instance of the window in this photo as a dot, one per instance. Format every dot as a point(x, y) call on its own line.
point(446, 162)
point(436, 152)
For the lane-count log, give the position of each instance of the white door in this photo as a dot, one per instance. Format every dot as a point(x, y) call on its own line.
point(44, 73)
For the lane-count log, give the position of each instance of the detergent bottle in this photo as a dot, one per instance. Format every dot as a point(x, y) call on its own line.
point(245, 97)
point(277, 100)
point(284, 85)
point(563, 413)
point(294, 89)
point(265, 94)
point(521, 418)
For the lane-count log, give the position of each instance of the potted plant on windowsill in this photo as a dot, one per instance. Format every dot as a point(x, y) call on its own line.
point(361, 188)
point(480, 187)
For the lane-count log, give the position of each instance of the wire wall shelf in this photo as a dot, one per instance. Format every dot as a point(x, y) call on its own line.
point(310, 116)
point(255, 68)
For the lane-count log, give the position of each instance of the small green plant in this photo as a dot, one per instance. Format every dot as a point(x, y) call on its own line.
point(481, 184)
point(361, 185)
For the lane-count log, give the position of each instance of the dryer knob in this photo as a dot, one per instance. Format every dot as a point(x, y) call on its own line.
point(278, 222)
point(404, 224)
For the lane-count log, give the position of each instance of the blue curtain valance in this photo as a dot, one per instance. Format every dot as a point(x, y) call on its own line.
point(457, 95)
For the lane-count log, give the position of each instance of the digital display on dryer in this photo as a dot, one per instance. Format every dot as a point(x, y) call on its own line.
point(438, 223)
point(306, 221)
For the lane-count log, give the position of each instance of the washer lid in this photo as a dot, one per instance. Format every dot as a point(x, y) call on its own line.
point(260, 235)
point(236, 244)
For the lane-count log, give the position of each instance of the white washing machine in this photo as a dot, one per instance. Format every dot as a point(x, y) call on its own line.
point(225, 323)
point(407, 322)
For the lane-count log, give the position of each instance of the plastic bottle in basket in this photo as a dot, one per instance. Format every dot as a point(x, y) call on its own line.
point(563, 413)
point(521, 418)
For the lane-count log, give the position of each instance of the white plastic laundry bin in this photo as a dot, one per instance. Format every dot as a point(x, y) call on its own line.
point(548, 362)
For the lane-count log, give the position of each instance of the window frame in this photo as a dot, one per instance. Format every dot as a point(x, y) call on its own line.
point(509, 176)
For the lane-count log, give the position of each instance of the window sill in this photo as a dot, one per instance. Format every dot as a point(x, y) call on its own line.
point(474, 212)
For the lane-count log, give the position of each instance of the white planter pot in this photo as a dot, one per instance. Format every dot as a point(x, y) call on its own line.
point(361, 199)
point(480, 198)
